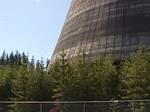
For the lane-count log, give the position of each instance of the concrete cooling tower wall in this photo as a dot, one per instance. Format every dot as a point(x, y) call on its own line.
point(106, 27)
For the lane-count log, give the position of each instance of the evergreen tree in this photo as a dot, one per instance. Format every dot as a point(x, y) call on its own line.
point(6, 81)
point(17, 58)
point(32, 64)
point(59, 73)
point(21, 87)
point(41, 86)
point(47, 63)
point(38, 69)
point(3, 58)
point(12, 59)
point(7, 60)
point(24, 60)
point(136, 78)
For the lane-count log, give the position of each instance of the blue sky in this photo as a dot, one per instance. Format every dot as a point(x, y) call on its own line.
point(31, 26)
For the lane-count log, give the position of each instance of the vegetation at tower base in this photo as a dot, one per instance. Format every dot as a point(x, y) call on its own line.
point(21, 79)
point(135, 76)
point(135, 79)
point(84, 81)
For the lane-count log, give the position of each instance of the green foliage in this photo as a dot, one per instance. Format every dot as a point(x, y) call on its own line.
point(22, 79)
point(60, 73)
point(84, 80)
point(101, 79)
point(104, 79)
point(135, 79)
point(21, 86)
point(136, 76)
point(6, 82)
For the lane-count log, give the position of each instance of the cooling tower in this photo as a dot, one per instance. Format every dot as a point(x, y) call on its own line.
point(106, 27)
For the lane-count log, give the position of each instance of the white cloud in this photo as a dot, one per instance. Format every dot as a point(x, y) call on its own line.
point(37, 1)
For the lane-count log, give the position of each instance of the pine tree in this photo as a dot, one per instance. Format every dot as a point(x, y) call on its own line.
point(24, 60)
point(12, 59)
point(3, 58)
point(136, 78)
point(32, 64)
point(80, 78)
point(41, 86)
point(17, 58)
point(7, 60)
point(59, 73)
point(38, 66)
point(6, 81)
point(21, 87)
point(47, 63)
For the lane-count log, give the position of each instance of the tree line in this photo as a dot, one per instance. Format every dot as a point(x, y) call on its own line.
point(101, 79)
point(22, 79)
